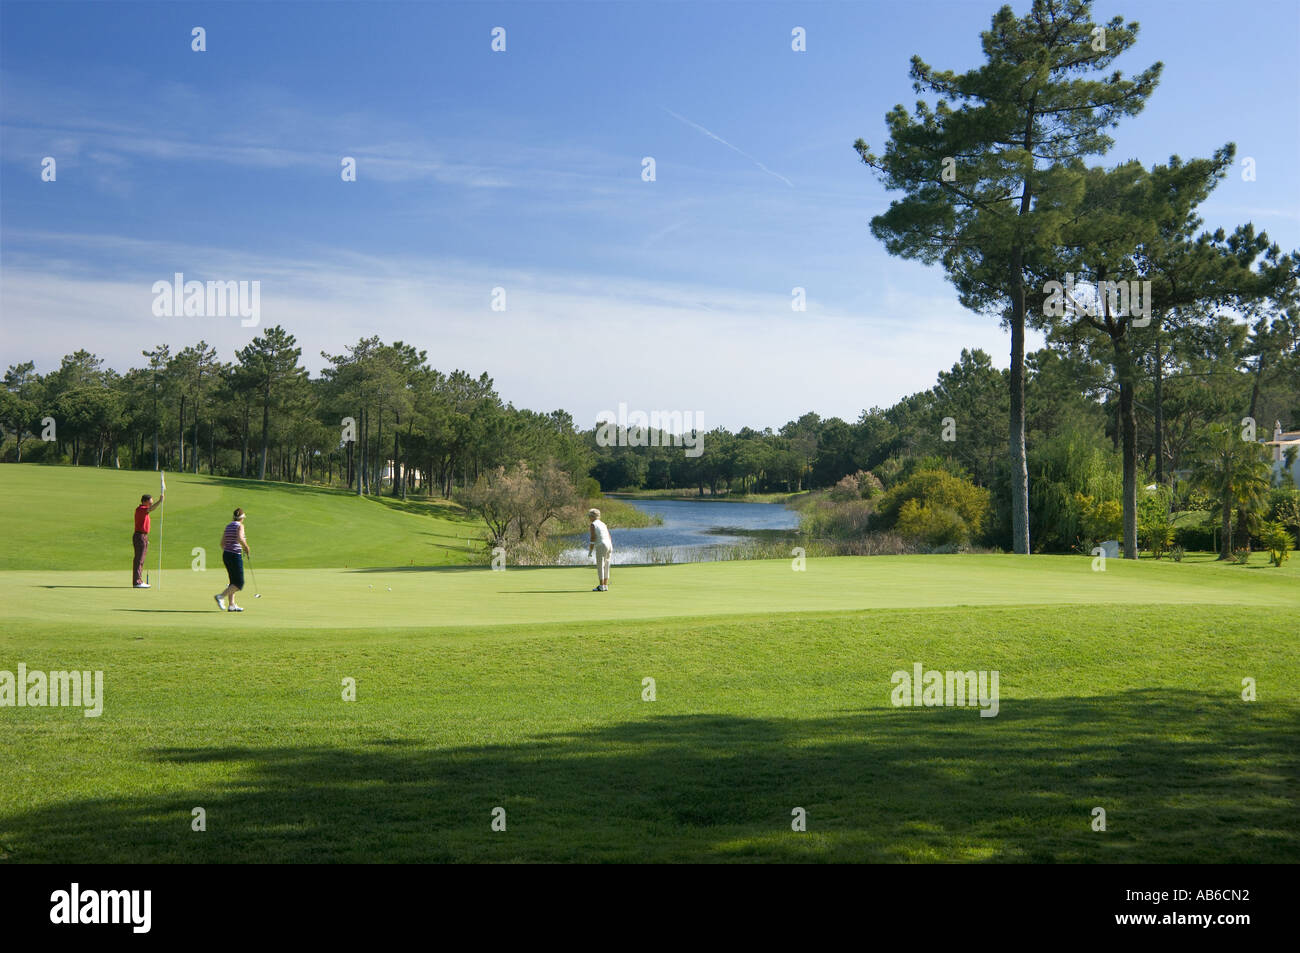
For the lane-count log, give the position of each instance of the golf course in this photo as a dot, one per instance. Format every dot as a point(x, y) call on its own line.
point(523, 690)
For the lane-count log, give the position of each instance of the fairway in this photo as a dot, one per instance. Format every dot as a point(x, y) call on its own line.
point(522, 689)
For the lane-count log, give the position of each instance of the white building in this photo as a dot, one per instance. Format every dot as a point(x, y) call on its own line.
point(1284, 440)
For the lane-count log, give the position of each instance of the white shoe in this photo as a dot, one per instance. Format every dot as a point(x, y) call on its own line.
point(142, 585)
point(235, 609)
point(220, 604)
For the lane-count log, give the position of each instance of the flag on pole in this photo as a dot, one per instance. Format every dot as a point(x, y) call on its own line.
point(162, 489)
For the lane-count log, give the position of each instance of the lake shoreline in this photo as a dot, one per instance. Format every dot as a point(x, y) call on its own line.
point(690, 533)
point(780, 499)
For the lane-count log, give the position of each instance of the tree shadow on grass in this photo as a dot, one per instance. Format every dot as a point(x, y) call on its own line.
point(1182, 777)
point(461, 567)
point(182, 611)
point(252, 483)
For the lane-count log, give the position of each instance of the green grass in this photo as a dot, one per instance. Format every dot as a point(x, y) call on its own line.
point(81, 518)
point(523, 689)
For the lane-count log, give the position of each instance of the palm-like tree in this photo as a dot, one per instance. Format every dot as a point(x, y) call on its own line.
point(1235, 474)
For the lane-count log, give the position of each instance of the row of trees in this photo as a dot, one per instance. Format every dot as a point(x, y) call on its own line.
point(377, 419)
point(378, 412)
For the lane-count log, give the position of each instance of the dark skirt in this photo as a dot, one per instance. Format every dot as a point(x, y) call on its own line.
point(234, 568)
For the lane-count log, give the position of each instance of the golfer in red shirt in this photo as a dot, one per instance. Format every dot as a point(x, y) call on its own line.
point(140, 539)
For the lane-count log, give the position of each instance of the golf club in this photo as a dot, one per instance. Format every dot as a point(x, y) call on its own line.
point(257, 593)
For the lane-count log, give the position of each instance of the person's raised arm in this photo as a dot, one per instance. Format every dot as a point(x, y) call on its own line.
point(158, 503)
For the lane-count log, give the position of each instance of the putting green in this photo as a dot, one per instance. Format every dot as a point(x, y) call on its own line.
point(378, 598)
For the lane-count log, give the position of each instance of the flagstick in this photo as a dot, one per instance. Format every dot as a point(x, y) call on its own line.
point(162, 508)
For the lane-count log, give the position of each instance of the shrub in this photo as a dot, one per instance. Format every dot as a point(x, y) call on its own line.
point(1176, 554)
point(861, 485)
point(937, 489)
point(889, 471)
point(520, 503)
point(845, 490)
point(1155, 525)
point(869, 485)
point(1241, 556)
point(1277, 540)
point(932, 525)
point(1099, 519)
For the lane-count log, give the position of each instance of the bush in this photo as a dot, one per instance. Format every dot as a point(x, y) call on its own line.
point(845, 490)
point(937, 489)
point(518, 504)
point(1241, 556)
point(934, 526)
point(1176, 554)
point(862, 485)
point(889, 471)
point(1155, 525)
point(1099, 519)
point(1277, 540)
point(869, 485)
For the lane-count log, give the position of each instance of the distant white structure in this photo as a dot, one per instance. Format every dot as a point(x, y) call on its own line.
point(387, 471)
point(1282, 441)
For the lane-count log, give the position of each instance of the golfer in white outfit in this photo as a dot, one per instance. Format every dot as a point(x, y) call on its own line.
point(603, 547)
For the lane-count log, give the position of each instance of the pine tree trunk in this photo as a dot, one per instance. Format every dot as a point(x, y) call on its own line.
point(1160, 413)
point(266, 428)
point(1128, 440)
point(361, 450)
point(1019, 460)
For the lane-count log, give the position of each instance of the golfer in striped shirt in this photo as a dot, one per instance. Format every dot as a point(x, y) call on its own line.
point(233, 546)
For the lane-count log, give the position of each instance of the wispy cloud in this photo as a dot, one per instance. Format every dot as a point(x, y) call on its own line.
point(626, 338)
point(659, 234)
point(717, 138)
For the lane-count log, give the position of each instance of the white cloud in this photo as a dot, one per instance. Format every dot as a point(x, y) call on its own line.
point(578, 342)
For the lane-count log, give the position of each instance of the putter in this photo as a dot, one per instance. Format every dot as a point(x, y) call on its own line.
point(257, 593)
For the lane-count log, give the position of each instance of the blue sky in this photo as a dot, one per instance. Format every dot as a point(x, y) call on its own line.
point(523, 170)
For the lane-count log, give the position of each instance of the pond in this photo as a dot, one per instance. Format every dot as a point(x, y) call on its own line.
point(692, 531)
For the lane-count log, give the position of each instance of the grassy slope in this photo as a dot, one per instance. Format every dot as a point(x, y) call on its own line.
point(80, 518)
point(523, 689)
